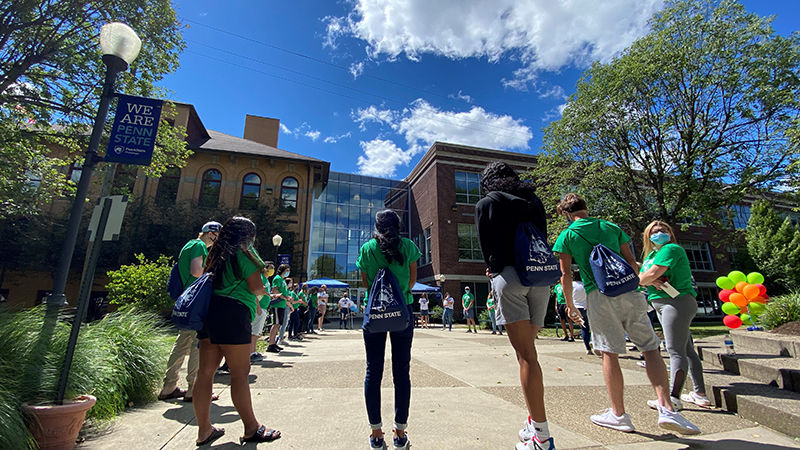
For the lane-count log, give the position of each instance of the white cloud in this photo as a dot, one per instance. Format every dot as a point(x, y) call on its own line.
point(285, 129)
point(541, 34)
point(381, 158)
point(335, 139)
point(422, 124)
point(371, 114)
point(312, 134)
point(356, 69)
point(461, 96)
point(561, 108)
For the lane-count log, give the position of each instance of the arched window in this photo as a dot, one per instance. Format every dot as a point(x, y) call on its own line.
point(289, 189)
point(251, 191)
point(167, 191)
point(209, 190)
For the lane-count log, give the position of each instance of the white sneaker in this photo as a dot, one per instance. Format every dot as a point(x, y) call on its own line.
point(676, 404)
point(536, 444)
point(283, 342)
point(699, 400)
point(609, 420)
point(528, 431)
point(674, 421)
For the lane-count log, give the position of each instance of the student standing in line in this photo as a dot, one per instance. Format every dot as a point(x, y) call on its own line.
point(492, 308)
point(561, 310)
point(237, 289)
point(424, 314)
point(294, 315)
point(579, 299)
point(388, 250)
point(190, 266)
point(666, 262)
point(280, 316)
point(322, 304)
point(302, 294)
point(313, 298)
point(344, 311)
point(468, 302)
point(261, 318)
point(613, 317)
point(447, 314)
point(520, 308)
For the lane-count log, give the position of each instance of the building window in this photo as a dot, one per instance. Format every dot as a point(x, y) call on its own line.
point(210, 187)
point(168, 184)
point(468, 187)
point(468, 247)
point(289, 189)
point(740, 215)
point(251, 191)
point(124, 179)
point(699, 256)
point(75, 170)
point(707, 301)
point(424, 244)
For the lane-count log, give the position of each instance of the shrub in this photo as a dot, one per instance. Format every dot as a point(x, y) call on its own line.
point(437, 312)
point(484, 321)
point(780, 310)
point(119, 359)
point(143, 285)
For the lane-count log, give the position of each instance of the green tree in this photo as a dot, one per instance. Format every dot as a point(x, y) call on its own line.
point(687, 120)
point(50, 81)
point(774, 245)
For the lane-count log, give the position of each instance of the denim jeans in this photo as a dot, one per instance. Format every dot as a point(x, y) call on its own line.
point(312, 314)
point(375, 344)
point(493, 318)
point(285, 325)
point(294, 323)
point(447, 318)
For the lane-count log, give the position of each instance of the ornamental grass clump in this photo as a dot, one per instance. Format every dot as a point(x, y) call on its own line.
point(781, 310)
point(119, 359)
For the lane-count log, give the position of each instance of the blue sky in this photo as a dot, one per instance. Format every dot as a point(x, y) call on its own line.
point(369, 84)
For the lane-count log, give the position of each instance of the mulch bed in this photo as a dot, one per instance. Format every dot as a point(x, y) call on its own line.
point(792, 328)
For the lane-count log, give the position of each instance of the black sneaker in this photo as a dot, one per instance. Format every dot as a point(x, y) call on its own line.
point(255, 357)
point(273, 349)
point(224, 368)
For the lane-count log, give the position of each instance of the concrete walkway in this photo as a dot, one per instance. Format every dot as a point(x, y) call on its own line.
point(465, 395)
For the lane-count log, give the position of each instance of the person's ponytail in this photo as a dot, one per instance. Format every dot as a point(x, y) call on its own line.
point(387, 233)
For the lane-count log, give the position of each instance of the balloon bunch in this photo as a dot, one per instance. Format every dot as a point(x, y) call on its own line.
point(744, 298)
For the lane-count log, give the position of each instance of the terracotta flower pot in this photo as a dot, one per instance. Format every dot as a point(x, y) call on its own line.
point(56, 427)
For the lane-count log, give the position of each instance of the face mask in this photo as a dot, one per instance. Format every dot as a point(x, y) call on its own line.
point(660, 238)
point(285, 274)
point(270, 272)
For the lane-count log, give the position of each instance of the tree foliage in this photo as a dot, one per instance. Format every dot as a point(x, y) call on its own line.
point(142, 284)
point(774, 244)
point(687, 120)
point(51, 76)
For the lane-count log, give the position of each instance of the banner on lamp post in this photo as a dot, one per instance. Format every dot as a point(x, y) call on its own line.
point(284, 258)
point(133, 135)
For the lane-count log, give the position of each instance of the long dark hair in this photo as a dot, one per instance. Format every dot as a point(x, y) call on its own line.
point(238, 233)
point(387, 233)
point(499, 176)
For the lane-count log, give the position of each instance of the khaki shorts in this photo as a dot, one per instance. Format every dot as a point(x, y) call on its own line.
point(516, 302)
point(612, 317)
point(257, 326)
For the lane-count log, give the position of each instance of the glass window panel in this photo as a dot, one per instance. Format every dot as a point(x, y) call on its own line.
point(341, 241)
point(341, 265)
point(461, 198)
point(316, 244)
point(344, 193)
point(328, 262)
point(329, 240)
point(329, 217)
point(331, 192)
point(461, 176)
point(354, 214)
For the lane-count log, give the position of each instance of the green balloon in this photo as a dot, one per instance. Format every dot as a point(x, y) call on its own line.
point(725, 283)
point(730, 308)
point(756, 308)
point(746, 319)
point(737, 276)
point(755, 278)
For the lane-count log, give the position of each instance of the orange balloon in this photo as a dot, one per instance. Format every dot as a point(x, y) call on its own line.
point(740, 286)
point(738, 299)
point(751, 291)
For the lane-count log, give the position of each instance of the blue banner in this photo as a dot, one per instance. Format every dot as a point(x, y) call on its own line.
point(284, 258)
point(133, 135)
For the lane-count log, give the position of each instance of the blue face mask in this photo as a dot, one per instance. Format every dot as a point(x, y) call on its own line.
point(660, 238)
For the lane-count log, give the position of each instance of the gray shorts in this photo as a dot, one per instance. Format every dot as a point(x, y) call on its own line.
point(613, 317)
point(469, 313)
point(516, 302)
point(257, 326)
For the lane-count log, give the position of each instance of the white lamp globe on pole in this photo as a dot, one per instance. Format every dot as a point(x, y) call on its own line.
point(119, 41)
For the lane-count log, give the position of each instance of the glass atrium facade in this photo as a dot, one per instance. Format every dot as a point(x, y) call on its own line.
point(343, 218)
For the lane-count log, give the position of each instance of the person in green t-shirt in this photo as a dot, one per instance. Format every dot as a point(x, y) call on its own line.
point(258, 323)
point(613, 317)
point(281, 311)
point(468, 301)
point(491, 306)
point(190, 266)
point(387, 249)
point(561, 311)
point(236, 269)
point(668, 277)
point(312, 310)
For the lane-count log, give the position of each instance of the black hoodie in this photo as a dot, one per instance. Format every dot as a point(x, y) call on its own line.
point(496, 218)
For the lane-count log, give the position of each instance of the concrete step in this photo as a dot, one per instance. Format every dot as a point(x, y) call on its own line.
point(766, 343)
point(781, 372)
point(769, 406)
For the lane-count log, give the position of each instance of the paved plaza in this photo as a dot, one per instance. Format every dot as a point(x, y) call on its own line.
point(465, 395)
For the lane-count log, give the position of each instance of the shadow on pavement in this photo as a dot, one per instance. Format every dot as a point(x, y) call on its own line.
point(184, 413)
point(225, 378)
point(728, 444)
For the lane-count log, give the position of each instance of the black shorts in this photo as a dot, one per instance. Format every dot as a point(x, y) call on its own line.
point(277, 315)
point(227, 323)
point(562, 311)
point(423, 312)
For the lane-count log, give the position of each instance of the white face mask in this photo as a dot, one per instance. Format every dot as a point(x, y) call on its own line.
point(285, 274)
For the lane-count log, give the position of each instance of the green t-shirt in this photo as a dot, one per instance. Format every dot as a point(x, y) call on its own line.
point(190, 251)
point(295, 299)
point(280, 283)
point(679, 274)
point(312, 300)
point(370, 260)
point(490, 302)
point(560, 300)
point(467, 299)
point(235, 285)
point(596, 231)
point(302, 297)
point(265, 299)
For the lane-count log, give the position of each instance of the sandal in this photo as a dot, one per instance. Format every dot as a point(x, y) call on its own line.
point(214, 397)
point(216, 433)
point(177, 393)
point(263, 434)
